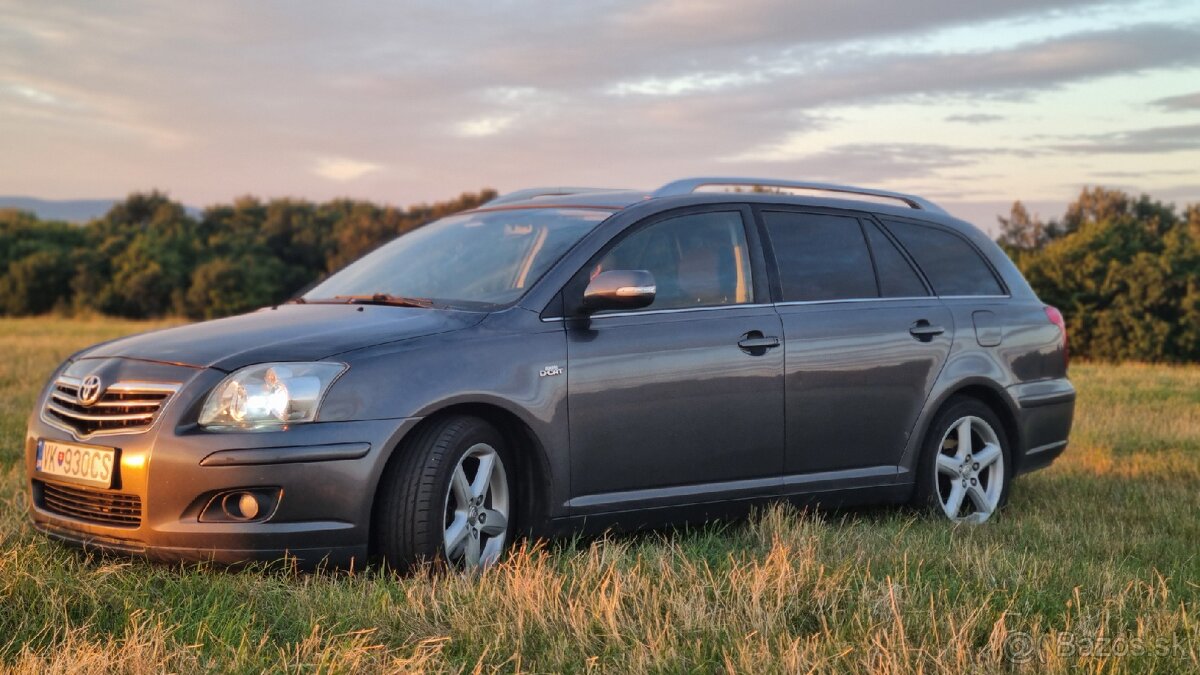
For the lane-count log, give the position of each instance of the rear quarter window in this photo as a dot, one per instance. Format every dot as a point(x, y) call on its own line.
point(950, 263)
point(897, 278)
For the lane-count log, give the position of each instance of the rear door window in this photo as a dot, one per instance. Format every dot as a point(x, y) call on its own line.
point(820, 256)
point(951, 264)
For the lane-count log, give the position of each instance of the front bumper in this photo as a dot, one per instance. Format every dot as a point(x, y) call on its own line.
point(326, 474)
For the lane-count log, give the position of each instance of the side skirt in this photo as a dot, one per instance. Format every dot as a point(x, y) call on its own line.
point(697, 513)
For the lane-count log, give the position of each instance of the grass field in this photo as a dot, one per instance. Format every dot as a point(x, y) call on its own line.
point(1095, 564)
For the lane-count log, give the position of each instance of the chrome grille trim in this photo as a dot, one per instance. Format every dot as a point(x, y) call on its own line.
point(72, 414)
point(124, 407)
point(124, 403)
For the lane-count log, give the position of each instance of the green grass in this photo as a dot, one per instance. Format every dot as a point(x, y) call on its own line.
point(1102, 546)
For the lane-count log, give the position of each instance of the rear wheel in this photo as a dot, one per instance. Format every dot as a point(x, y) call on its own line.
point(447, 498)
point(964, 468)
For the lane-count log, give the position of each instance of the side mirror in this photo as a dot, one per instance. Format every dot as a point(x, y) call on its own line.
point(619, 289)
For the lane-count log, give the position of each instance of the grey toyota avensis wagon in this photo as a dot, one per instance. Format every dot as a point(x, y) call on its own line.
point(565, 358)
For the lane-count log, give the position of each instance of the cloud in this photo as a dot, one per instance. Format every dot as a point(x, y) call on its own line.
point(1184, 102)
point(343, 169)
point(684, 84)
point(48, 103)
point(484, 126)
point(712, 24)
point(33, 94)
point(874, 162)
point(507, 107)
point(1154, 140)
point(397, 102)
point(1145, 173)
point(974, 118)
point(1017, 70)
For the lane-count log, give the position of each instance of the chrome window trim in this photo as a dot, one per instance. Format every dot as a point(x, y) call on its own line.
point(676, 310)
point(905, 298)
point(791, 303)
point(168, 388)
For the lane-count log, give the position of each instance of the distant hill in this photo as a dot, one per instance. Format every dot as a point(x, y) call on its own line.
point(70, 210)
point(74, 210)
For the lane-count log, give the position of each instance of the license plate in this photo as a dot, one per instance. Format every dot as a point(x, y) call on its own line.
point(85, 464)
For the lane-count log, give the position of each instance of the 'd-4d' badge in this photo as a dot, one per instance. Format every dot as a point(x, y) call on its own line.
point(550, 370)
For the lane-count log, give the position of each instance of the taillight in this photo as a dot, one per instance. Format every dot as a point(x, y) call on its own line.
point(1056, 318)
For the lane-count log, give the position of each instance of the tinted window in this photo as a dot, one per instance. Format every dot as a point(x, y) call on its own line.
point(697, 260)
point(820, 257)
point(952, 265)
point(897, 278)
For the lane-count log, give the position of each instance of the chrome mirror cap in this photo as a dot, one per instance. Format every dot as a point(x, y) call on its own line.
point(619, 289)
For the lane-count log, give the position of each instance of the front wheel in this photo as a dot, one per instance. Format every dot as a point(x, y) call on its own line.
point(447, 498)
point(963, 473)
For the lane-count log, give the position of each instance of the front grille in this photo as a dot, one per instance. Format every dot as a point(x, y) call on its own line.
point(124, 407)
point(93, 506)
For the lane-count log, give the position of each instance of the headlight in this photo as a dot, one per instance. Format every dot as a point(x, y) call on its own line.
point(269, 396)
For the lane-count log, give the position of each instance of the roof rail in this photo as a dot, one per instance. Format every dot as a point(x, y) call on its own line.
point(689, 185)
point(534, 193)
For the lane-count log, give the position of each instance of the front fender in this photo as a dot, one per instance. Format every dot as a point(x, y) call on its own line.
point(494, 365)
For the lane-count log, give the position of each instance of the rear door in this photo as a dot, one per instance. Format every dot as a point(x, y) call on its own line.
point(864, 341)
point(961, 276)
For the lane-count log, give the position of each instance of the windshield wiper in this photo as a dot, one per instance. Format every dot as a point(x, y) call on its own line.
point(385, 299)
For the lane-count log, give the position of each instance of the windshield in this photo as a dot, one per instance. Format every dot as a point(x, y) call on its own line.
point(473, 260)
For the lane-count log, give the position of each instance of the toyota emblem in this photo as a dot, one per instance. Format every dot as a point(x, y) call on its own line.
point(89, 391)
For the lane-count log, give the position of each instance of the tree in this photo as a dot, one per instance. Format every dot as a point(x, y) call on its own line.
point(36, 283)
point(1022, 232)
point(1125, 273)
point(149, 257)
point(36, 259)
point(147, 246)
point(222, 287)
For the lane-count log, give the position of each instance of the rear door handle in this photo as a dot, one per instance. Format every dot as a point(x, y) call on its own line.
point(755, 342)
point(923, 331)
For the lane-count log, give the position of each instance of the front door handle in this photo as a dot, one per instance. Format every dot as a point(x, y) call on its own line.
point(924, 331)
point(756, 343)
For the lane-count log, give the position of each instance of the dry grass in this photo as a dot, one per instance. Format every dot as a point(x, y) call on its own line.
point(1096, 560)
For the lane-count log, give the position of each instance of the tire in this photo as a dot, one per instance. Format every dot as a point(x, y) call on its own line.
point(977, 480)
point(434, 507)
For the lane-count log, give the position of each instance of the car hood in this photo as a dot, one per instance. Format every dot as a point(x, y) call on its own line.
point(286, 333)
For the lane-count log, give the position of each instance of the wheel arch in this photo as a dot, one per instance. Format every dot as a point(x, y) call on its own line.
point(533, 469)
point(990, 394)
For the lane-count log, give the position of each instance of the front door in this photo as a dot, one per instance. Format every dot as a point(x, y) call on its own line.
point(681, 401)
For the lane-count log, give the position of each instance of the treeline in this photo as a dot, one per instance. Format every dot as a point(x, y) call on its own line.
point(1124, 270)
point(148, 257)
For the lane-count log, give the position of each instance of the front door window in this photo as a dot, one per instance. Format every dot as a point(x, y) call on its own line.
point(698, 260)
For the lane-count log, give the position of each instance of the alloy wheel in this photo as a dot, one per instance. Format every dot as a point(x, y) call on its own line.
point(969, 471)
point(477, 509)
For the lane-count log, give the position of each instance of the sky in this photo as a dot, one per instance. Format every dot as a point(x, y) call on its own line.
point(971, 104)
